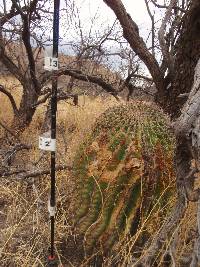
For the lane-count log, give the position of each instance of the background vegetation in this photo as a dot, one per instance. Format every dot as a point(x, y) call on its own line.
point(164, 70)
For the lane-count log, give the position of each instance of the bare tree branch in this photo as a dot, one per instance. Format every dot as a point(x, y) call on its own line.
point(167, 57)
point(164, 6)
point(170, 225)
point(10, 154)
point(9, 130)
point(131, 34)
point(11, 98)
point(148, 79)
point(26, 17)
point(84, 77)
point(152, 27)
point(23, 174)
point(11, 66)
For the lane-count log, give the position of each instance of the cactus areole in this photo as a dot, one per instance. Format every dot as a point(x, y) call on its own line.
point(123, 174)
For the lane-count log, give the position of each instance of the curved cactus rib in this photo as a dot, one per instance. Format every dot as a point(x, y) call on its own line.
point(95, 206)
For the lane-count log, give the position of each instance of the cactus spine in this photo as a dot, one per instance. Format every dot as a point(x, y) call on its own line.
point(121, 170)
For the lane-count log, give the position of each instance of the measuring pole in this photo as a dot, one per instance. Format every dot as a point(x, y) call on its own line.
point(54, 62)
point(48, 142)
point(51, 64)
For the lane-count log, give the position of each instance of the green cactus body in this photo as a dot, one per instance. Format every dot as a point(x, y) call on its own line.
point(121, 170)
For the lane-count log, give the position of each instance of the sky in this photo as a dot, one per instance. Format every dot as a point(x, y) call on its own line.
point(136, 8)
point(87, 9)
point(104, 16)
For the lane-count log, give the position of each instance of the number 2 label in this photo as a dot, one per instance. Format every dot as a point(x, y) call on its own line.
point(47, 144)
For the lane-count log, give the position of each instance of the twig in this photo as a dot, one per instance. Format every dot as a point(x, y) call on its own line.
point(167, 57)
point(152, 27)
point(8, 130)
point(12, 101)
point(164, 6)
point(10, 153)
point(22, 174)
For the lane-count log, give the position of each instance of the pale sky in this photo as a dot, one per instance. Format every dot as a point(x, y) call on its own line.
point(104, 17)
point(136, 8)
point(87, 9)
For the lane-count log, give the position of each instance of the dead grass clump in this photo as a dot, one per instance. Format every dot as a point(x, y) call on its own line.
point(24, 219)
point(25, 223)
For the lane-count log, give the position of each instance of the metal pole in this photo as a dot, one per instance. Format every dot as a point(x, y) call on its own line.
point(53, 125)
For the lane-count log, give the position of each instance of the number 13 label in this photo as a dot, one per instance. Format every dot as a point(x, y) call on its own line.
point(51, 63)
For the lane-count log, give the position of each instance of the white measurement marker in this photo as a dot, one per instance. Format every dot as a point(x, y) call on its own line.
point(46, 143)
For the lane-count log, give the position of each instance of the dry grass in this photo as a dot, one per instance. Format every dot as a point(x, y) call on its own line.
point(24, 234)
point(11, 85)
point(24, 222)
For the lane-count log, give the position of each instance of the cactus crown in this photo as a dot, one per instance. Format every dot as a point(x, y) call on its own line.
point(121, 170)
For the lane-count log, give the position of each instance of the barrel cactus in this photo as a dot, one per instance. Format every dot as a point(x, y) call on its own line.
point(122, 169)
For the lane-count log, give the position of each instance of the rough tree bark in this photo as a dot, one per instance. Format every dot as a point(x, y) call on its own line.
point(186, 57)
point(187, 124)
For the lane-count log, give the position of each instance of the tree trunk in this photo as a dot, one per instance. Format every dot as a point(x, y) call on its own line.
point(186, 57)
point(26, 109)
